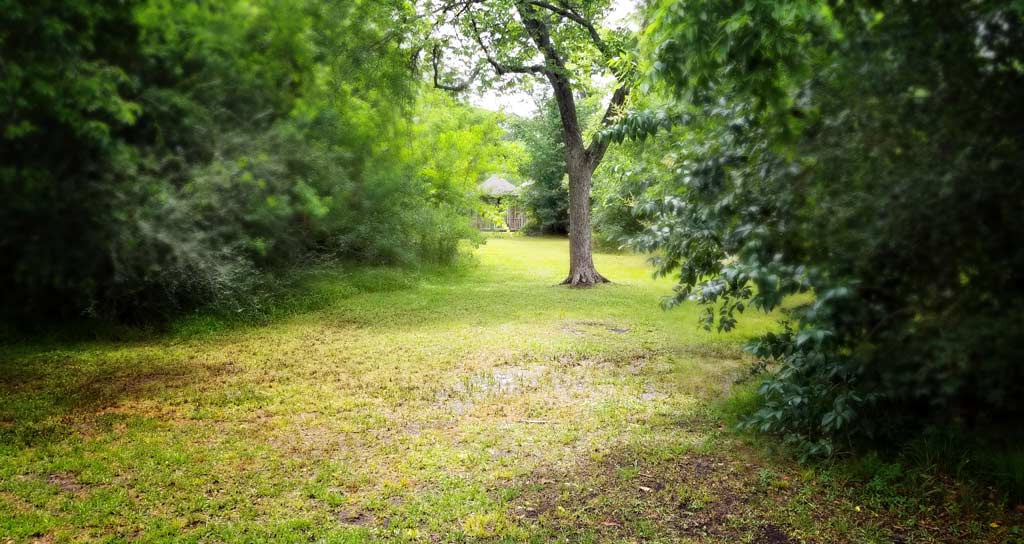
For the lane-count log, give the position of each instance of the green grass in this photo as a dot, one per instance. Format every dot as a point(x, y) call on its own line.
point(478, 403)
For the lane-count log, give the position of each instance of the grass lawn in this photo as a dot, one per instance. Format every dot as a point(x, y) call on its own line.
point(477, 404)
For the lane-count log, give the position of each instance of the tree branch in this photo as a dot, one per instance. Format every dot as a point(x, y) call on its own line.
point(540, 34)
point(458, 87)
point(572, 15)
point(557, 75)
point(499, 68)
point(598, 146)
point(445, 8)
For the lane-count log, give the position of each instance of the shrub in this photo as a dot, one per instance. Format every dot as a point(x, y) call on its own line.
point(162, 154)
point(869, 154)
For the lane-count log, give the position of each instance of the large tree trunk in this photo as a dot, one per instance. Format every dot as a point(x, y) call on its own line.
point(580, 161)
point(582, 272)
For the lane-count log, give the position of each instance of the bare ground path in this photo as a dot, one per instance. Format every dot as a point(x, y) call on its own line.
point(479, 405)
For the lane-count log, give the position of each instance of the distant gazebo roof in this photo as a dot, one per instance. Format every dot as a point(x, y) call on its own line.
point(497, 186)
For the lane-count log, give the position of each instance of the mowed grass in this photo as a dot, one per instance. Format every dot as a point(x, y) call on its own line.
point(480, 403)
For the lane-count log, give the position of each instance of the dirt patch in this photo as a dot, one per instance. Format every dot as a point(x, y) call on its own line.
point(651, 393)
point(771, 534)
point(575, 360)
point(717, 352)
point(583, 328)
point(507, 379)
point(461, 397)
point(689, 496)
point(355, 517)
point(632, 362)
point(525, 512)
point(66, 482)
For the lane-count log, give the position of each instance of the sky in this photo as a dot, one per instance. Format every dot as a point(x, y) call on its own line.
point(520, 102)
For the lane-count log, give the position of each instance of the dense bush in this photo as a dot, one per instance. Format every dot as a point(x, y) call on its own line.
point(868, 153)
point(617, 188)
point(160, 154)
point(453, 147)
point(545, 198)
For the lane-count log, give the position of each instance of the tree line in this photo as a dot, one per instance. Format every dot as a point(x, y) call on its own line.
point(162, 154)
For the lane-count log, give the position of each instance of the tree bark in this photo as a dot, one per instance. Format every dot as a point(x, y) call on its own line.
point(580, 165)
point(582, 272)
point(580, 161)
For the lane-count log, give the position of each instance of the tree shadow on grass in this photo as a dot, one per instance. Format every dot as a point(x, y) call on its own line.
point(45, 399)
point(630, 494)
point(309, 291)
point(727, 494)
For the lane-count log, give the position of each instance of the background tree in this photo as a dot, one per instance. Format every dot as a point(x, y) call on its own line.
point(545, 197)
point(562, 43)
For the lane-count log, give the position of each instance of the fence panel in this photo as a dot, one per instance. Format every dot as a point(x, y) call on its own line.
point(515, 219)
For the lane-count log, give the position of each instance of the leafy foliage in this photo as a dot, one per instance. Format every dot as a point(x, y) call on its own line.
point(161, 154)
point(868, 154)
point(545, 198)
point(632, 166)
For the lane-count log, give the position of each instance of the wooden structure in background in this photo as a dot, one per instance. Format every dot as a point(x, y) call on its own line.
point(514, 220)
point(496, 189)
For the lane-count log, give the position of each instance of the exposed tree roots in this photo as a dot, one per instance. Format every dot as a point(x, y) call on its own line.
point(584, 279)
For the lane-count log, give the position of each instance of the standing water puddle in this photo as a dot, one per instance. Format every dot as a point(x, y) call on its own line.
point(503, 380)
point(500, 381)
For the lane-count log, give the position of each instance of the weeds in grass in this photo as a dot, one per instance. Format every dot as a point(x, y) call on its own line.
point(483, 404)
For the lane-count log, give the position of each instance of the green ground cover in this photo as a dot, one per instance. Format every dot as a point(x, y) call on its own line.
point(481, 403)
